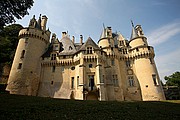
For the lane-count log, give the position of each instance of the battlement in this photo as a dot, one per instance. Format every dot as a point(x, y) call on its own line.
point(35, 33)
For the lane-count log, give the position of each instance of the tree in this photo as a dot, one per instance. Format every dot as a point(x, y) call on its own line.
point(11, 9)
point(173, 80)
point(8, 43)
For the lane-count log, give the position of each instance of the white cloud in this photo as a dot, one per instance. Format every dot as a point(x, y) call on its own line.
point(168, 63)
point(164, 33)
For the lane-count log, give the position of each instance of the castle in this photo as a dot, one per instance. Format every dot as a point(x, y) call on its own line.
point(114, 69)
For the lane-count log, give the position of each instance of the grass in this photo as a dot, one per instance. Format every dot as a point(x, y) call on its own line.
point(15, 107)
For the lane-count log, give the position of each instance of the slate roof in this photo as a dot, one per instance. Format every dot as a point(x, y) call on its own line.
point(68, 46)
point(88, 42)
point(133, 34)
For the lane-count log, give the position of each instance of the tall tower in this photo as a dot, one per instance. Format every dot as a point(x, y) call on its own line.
point(26, 67)
point(144, 65)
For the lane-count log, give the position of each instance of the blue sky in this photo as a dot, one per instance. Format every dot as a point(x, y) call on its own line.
point(160, 20)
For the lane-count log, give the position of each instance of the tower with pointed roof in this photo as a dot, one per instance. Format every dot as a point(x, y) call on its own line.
point(114, 69)
point(144, 65)
point(25, 72)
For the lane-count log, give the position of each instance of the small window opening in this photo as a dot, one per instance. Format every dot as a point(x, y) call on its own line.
point(52, 82)
point(73, 68)
point(112, 62)
point(70, 48)
point(22, 54)
point(77, 80)
point(128, 63)
point(53, 68)
point(90, 65)
point(137, 49)
point(154, 79)
point(72, 82)
point(20, 66)
point(131, 81)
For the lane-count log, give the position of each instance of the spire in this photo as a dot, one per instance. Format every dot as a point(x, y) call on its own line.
point(39, 22)
point(134, 33)
point(103, 34)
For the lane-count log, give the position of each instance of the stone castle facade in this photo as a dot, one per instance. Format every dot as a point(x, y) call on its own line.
point(113, 69)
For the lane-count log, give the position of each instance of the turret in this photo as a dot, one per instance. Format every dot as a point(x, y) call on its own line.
point(25, 72)
point(106, 39)
point(146, 71)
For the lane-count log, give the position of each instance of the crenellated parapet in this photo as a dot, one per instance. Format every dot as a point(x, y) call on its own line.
point(60, 63)
point(35, 33)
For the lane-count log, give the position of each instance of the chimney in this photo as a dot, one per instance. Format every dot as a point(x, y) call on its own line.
point(73, 39)
point(81, 39)
point(43, 22)
point(63, 34)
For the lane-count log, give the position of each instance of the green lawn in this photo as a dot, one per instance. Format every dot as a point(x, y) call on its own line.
point(25, 107)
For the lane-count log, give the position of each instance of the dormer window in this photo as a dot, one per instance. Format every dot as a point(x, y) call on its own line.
point(56, 47)
point(89, 50)
point(70, 48)
point(53, 56)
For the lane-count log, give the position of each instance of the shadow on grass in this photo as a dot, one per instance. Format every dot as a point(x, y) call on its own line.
point(26, 107)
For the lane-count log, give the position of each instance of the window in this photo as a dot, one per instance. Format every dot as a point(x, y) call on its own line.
point(52, 82)
point(53, 68)
point(131, 81)
point(70, 48)
point(77, 80)
point(73, 68)
point(56, 47)
point(89, 50)
point(90, 65)
point(115, 80)
point(154, 79)
point(19, 66)
point(91, 81)
point(64, 57)
point(22, 54)
point(53, 56)
point(112, 62)
point(128, 63)
point(72, 82)
point(121, 43)
point(137, 49)
point(62, 69)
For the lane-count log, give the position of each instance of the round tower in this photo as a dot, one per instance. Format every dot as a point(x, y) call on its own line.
point(145, 67)
point(26, 67)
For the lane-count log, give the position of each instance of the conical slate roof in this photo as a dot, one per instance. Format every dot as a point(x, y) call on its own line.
point(133, 34)
point(103, 34)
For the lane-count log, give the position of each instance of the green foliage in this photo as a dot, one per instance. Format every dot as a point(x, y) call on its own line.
point(8, 42)
point(173, 80)
point(11, 9)
point(26, 107)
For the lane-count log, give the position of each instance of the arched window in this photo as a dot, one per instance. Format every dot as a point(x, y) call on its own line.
point(70, 48)
point(22, 54)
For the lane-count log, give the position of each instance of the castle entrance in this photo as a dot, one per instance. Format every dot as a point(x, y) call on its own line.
point(91, 82)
